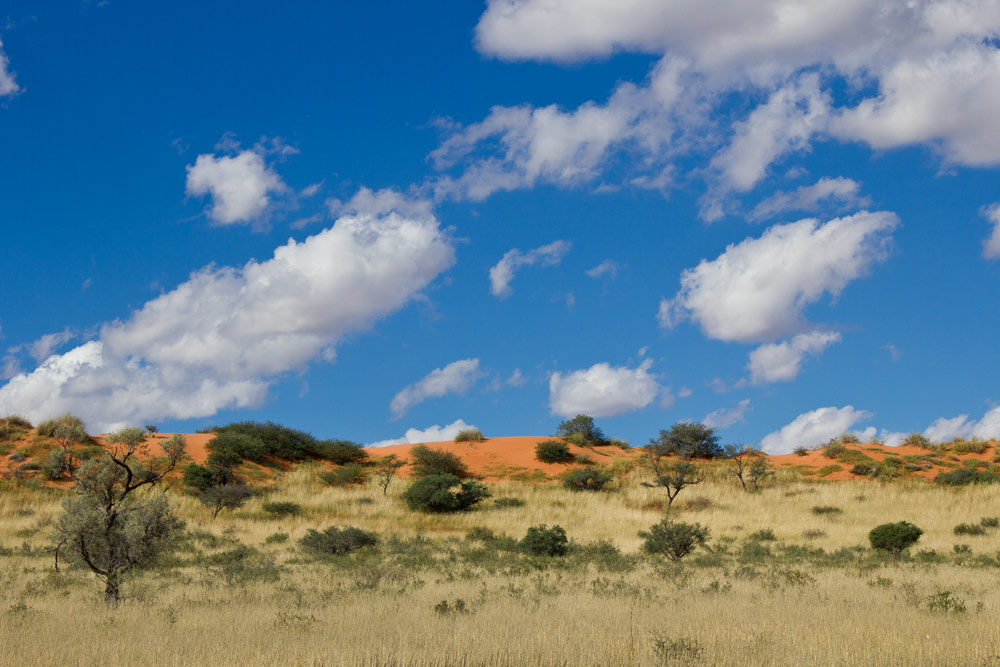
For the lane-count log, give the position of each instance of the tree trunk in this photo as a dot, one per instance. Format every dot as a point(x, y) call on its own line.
point(112, 594)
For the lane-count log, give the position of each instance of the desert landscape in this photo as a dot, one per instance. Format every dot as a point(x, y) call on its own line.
point(785, 574)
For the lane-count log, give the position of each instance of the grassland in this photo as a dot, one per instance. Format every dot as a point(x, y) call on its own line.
point(237, 592)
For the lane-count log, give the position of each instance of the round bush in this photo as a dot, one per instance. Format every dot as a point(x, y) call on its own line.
point(199, 477)
point(436, 493)
point(553, 451)
point(544, 541)
point(336, 541)
point(673, 539)
point(469, 435)
point(586, 479)
point(427, 461)
point(894, 538)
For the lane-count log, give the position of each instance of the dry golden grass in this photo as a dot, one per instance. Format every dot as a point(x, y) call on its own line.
point(380, 610)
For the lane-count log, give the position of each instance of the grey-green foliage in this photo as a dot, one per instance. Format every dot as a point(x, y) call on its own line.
point(225, 496)
point(107, 528)
point(673, 539)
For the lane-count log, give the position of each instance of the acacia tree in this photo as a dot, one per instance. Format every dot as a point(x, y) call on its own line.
point(106, 526)
point(386, 469)
point(672, 475)
point(688, 440)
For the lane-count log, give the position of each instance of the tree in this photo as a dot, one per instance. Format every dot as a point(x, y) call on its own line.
point(673, 476)
point(386, 469)
point(225, 496)
point(104, 525)
point(688, 440)
point(894, 538)
point(748, 465)
point(582, 431)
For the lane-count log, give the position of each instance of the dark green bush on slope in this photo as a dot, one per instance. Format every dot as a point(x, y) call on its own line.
point(337, 541)
point(553, 451)
point(427, 461)
point(586, 479)
point(438, 494)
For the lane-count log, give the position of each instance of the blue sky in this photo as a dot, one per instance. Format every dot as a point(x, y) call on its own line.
point(384, 222)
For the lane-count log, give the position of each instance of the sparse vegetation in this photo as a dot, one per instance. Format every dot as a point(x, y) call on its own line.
point(469, 435)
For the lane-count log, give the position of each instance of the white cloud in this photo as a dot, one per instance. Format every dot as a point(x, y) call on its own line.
point(608, 267)
point(944, 429)
point(723, 418)
point(756, 290)
point(503, 272)
point(842, 192)
point(991, 245)
point(43, 347)
point(239, 185)
point(434, 433)
point(517, 378)
point(602, 390)
point(455, 378)
point(813, 428)
point(7, 84)
point(781, 362)
point(219, 338)
point(785, 123)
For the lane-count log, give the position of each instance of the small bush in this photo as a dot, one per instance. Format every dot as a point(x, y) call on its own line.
point(553, 451)
point(673, 539)
point(427, 462)
point(435, 493)
point(965, 476)
point(48, 427)
point(18, 421)
point(341, 452)
point(351, 473)
point(337, 541)
point(946, 603)
point(969, 529)
point(764, 535)
point(199, 477)
point(544, 541)
point(972, 447)
point(989, 522)
point(233, 446)
point(469, 435)
point(850, 438)
point(834, 450)
point(800, 451)
point(225, 496)
point(581, 431)
point(55, 465)
point(282, 508)
point(586, 479)
point(894, 538)
point(826, 509)
point(508, 502)
point(917, 440)
point(276, 538)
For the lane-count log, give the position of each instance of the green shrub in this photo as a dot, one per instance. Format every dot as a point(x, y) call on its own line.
point(800, 451)
point(969, 529)
point(436, 493)
point(427, 461)
point(225, 496)
point(581, 431)
point(337, 541)
point(544, 541)
point(352, 473)
point(834, 450)
point(237, 445)
point(917, 440)
point(850, 438)
point(586, 479)
point(224, 460)
point(989, 521)
point(341, 452)
point(553, 451)
point(279, 441)
point(965, 476)
point(673, 539)
point(971, 447)
point(55, 464)
point(276, 538)
point(826, 509)
point(282, 508)
point(469, 435)
point(688, 439)
point(33, 466)
point(199, 477)
point(508, 502)
point(894, 538)
point(18, 421)
point(48, 427)
point(763, 535)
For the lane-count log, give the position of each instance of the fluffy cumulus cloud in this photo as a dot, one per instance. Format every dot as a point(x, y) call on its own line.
point(455, 378)
point(430, 434)
point(991, 246)
point(8, 86)
point(757, 289)
point(241, 185)
point(781, 362)
point(218, 339)
point(944, 429)
point(814, 428)
point(503, 272)
point(840, 192)
point(723, 418)
point(929, 74)
point(602, 390)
